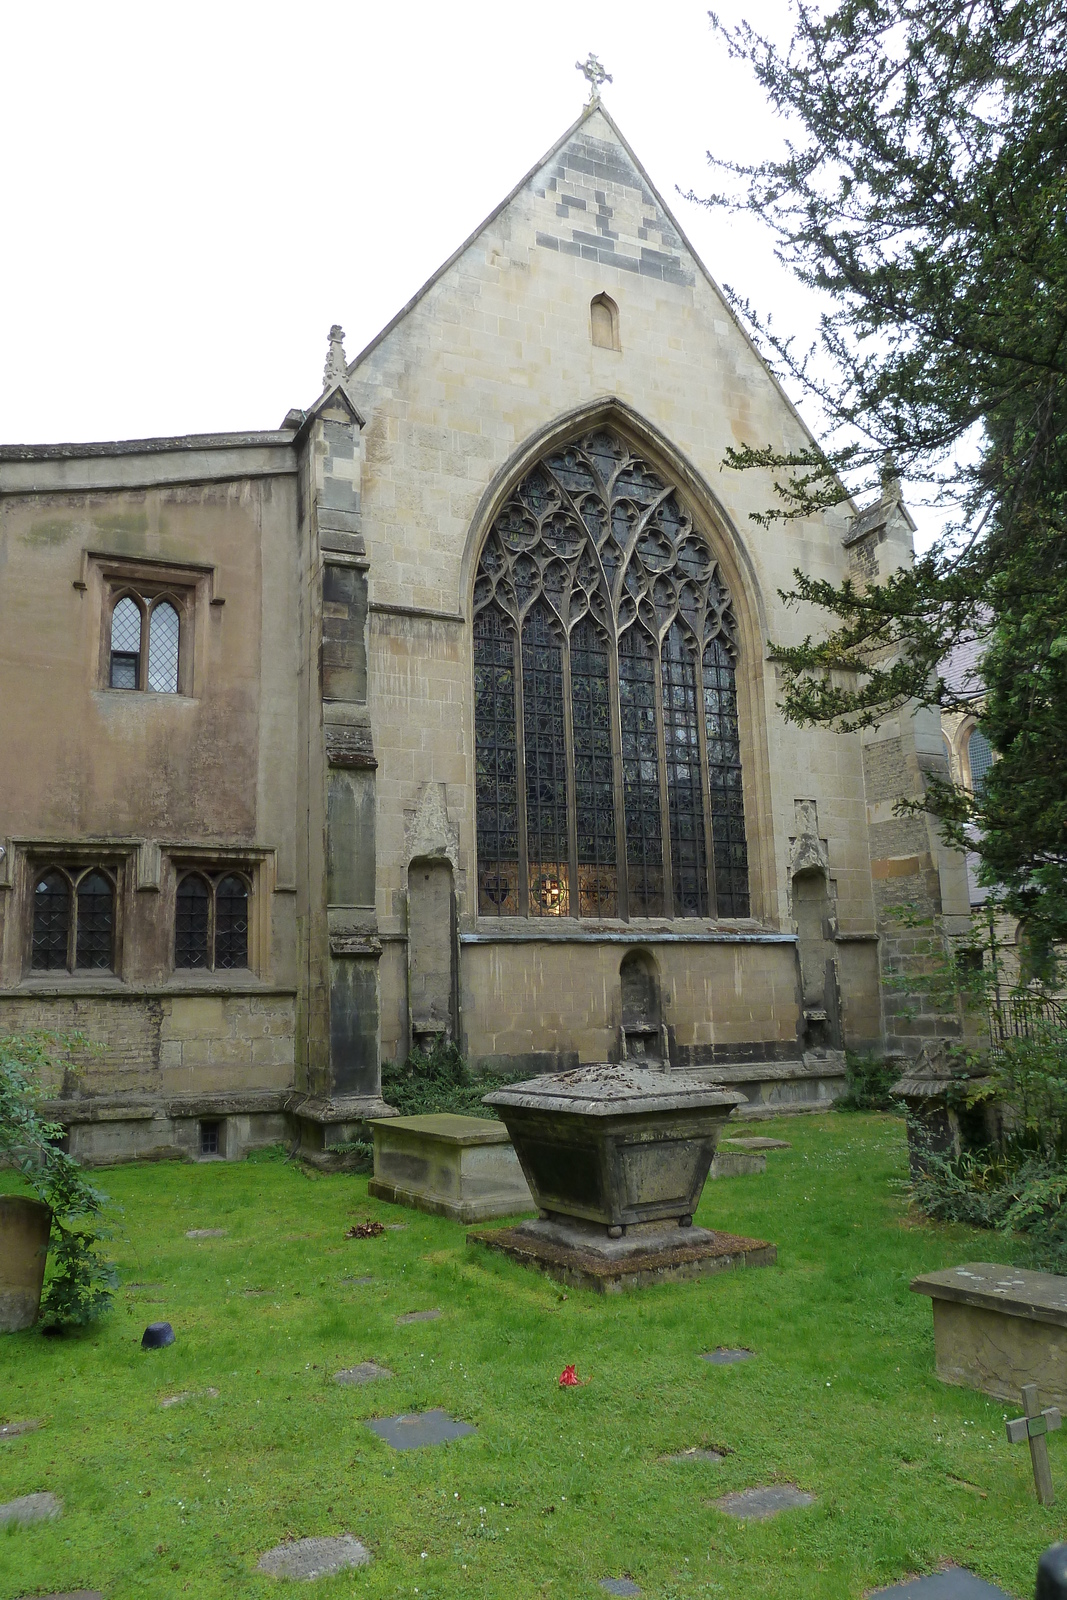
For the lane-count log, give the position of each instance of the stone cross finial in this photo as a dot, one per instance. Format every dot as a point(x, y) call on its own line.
point(335, 358)
point(1033, 1427)
point(592, 69)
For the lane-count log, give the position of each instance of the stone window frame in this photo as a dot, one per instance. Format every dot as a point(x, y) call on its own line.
point(75, 864)
point(604, 338)
point(256, 868)
point(149, 584)
point(213, 882)
point(617, 610)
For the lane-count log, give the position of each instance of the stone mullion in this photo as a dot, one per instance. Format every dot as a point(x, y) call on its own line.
point(622, 882)
point(520, 777)
point(661, 763)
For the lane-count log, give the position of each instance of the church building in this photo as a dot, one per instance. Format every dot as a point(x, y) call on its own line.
point(449, 710)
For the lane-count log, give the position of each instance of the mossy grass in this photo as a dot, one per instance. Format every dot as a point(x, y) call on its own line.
point(559, 1487)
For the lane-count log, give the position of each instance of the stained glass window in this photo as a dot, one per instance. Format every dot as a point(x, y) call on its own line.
point(594, 779)
point(96, 922)
point(163, 649)
point(126, 644)
point(593, 565)
point(545, 759)
point(685, 785)
point(51, 923)
point(191, 918)
point(496, 765)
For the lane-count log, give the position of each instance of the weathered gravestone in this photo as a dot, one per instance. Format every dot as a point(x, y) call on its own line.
point(30, 1508)
point(418, 1316)
point(452, 1166)
point(1034, 1427)
point(365, 1372)
point(620, 1586)
point(11, 1430)
point(723, 1357)
point(314, 1558)
point(997, 1328)
point(420, 1428)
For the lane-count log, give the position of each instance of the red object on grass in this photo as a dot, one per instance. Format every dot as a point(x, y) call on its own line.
point(568, 1378)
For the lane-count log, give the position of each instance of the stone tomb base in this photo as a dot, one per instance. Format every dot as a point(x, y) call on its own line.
point(997, 1327)
point(458, 1167)
point(583, 1256)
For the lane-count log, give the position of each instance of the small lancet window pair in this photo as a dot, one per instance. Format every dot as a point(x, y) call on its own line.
point(135, 622)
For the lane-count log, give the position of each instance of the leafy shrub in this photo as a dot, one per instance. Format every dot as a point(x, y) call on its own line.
point(436, 1080)
point(869, 1082)
point(80, 1285)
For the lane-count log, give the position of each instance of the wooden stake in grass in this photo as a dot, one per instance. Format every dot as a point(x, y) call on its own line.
point(1034, 1426)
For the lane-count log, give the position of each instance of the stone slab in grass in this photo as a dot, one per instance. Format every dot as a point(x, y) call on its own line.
point(955, 1584)
point(723, 1357)
point(738, 1164)
point(755, 1505)
point(418, 1316)
point(207, 1233)
point(30, 1508)
point(621, 1586)
point(69, 1594)
point(189, 1394)
point(11, 1430)
point(314, 1558)
point(365, 1372)
point(421, 1427)
point(755, 1142)
point(696, 1453)
point(357, 1281)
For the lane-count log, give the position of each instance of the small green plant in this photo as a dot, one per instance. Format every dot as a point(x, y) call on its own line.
point(869, 1082)
point(436, 1080)
point(80, 1285)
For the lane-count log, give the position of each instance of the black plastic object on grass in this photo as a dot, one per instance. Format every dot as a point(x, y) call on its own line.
point(1052, 1574)
point(156, 1335)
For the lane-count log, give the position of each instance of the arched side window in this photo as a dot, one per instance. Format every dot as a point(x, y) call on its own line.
point(73, 921)
point(607, 749)
point(211, 923)
point(145, 641)
point(604, 322)
point(979, 759)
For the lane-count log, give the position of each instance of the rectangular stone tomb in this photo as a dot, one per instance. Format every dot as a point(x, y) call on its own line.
point(452, 1166)
point(997, 1327)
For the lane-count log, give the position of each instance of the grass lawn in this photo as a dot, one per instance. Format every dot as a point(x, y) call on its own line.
point(559, 1487)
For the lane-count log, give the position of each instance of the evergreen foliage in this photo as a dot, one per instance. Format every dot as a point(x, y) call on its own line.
point(434, 1081)
point(923, 194)
point(80, 1284)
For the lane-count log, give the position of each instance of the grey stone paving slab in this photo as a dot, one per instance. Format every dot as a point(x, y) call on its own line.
point(395, 1227)
point(417, 1316)
point(421, 1427)
point(695, 1453)
point(624, 1586)
point(754, 1505)
point(366, 1372)
point(207, 1233)
point(727, 1358)
point(189, 1394)
point(70, 1594)
point(11, 1430)
point(756, 1142)
point(314, 1558)
point(955, 1584)
point(31, 1508)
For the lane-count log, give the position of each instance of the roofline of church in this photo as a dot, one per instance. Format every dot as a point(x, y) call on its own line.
point(587, 112)
point(143, 447)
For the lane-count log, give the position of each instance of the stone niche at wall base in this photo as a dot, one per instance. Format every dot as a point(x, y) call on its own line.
point(616, 1157)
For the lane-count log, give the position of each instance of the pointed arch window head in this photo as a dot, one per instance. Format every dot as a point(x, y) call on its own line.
point(604, 322)
point(211, 923)
point(73, 921)
point(607, 741)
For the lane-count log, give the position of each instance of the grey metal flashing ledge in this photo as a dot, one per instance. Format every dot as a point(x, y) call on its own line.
point(145, 463)
point(531, 935)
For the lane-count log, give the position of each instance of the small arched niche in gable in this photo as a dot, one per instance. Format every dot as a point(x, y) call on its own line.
point(604, 322)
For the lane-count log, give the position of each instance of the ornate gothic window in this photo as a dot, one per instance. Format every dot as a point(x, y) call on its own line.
point(607, 748)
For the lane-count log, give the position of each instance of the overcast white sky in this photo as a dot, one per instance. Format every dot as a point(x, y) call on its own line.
point(195, 192)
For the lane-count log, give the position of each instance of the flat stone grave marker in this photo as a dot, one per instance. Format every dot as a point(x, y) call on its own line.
point(31, 1508)
point(365, 1372)
point(722, 1357)
point(755, 1505)
point(696, 1453)
point(189, 1394)
point(314, 1558)
point(425, 1427)
point(70, 1594)
point(418, 1316)
point(11, 1430)
point(955, 1584)
point(359, 1281)
point(395, 1227)
point(623, 1586)
point(756, 1142)
point(207, 1233)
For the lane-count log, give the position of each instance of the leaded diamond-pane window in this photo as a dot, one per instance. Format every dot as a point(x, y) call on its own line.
point(191, 922)
point(73, 921)
point(211, 923)
point(601, 622)
point(145, 643)
point(231, 923)
point(126, 644)
point(163, 649)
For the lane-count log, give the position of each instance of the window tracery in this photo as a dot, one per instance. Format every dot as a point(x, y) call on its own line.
point(607, 742)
